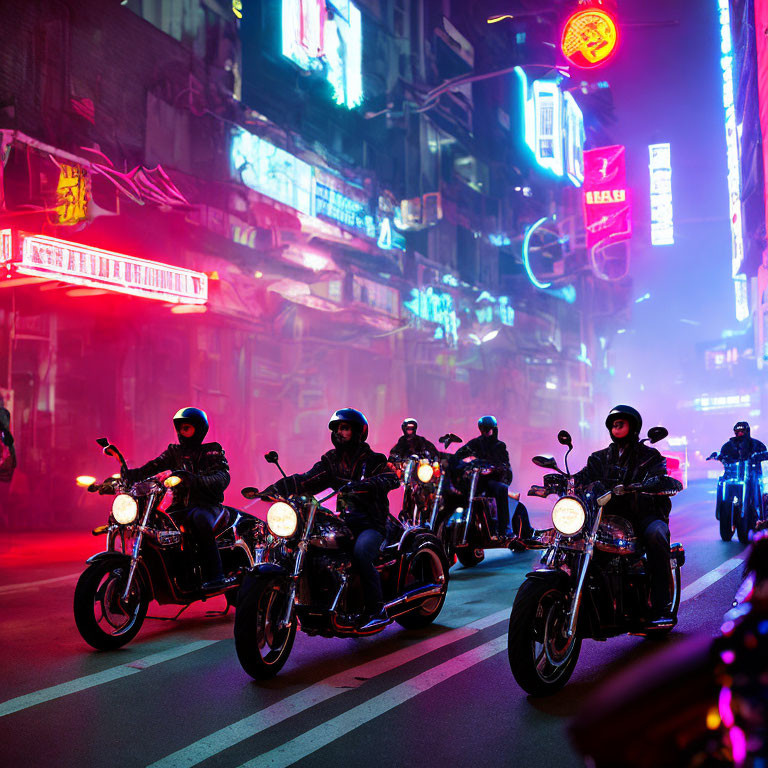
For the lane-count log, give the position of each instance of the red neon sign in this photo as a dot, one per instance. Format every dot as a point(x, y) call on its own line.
point(607, 206)
point(49, 257)
point(589, 38)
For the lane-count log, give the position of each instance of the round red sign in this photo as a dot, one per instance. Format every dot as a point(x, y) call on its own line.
point(589, 38)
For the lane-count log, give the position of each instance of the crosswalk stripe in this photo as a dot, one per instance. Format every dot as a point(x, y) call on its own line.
point(708, 579)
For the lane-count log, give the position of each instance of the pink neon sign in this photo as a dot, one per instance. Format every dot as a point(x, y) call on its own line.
point(607, 206)
point(49, 257)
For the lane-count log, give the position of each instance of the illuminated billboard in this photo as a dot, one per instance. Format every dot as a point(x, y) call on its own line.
point(662, 229)
point(553, 127)
point(54, 259)
point(589, 38)
point(607, 205)
point(326, 36)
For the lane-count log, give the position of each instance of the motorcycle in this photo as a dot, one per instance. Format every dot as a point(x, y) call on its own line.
point(148, 556)
point(312, 584)
point(739, 496)
point(592, 582)
point(470, 531)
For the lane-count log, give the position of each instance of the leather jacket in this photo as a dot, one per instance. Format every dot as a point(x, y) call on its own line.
point(489, 449)
point(207, 465)
point(741, 448)
point(417, 445)
point(638, 463)
point(369, 474)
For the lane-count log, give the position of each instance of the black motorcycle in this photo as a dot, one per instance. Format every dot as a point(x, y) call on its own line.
point(311, 582)
point(473, 527)
point(739, 504)
point(148, 556)
point(593, 580)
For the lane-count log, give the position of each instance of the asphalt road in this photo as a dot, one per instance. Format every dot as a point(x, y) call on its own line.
point(177, 696)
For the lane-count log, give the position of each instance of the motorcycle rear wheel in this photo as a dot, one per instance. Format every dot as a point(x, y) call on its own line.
point(426, 566)
point(541, 656)
point(468, 557)
point(103, 619)
point(262, 647)
point(726, 521)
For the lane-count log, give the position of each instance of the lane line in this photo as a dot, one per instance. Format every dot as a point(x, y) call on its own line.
point(10, 588)
point(98, 678)
point(708, 579)
point(322, 735)
point(315, 694)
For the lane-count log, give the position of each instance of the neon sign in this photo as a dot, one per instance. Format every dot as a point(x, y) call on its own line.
point(327, 36)
point(589, 38)
point(607, 207)
point(553, 127)
point(72, 194)
point(662, 229)
point(435, 307)
point(54, 259)
point(734, 173)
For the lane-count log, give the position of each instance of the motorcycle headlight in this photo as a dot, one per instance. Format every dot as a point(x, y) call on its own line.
point(568, 516)
point(425, 472)
point(124, 509)
point(282, 520)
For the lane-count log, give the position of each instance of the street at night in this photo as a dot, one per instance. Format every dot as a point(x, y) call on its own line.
point(383, 383)
point(178, 697)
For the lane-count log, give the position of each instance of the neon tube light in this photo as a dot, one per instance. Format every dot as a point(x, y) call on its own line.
point(732, 143)
point(526, 254)
point(54, 259)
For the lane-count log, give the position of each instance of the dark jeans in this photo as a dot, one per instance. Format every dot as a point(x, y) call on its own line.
point(655, 537)
point(200, 521)
point(521, 526)
point(364, 555)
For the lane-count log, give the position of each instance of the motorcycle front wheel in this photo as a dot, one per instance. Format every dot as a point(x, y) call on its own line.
point(263, 646)
point(104, 620)
point(745, 523)
point(541, 655)
point(726, 520)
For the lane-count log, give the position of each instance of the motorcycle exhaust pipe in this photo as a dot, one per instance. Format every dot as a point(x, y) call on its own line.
point(428, 590)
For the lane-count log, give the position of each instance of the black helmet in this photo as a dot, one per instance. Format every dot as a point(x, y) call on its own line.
point(742, 426)
point(488, 422)
point(352, 416)
point(408, 421)
point(625, 412)
point(195, 416)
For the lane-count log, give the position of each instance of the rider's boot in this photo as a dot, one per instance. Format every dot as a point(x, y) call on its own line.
point(374, 620)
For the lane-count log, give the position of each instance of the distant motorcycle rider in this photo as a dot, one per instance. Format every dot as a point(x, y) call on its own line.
point(364, 478)
point(204, 471)
point(742, 447)
point(628, 461)
point(488, 448)
point(412, 444)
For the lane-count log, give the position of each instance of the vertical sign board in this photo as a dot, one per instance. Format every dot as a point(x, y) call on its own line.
point(607, 207)
point(662, 229)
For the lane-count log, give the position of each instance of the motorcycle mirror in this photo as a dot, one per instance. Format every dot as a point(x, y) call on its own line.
point(712, 455)
point(657, 433)
point(272, 457)
point(604, 499)
point(547, 462)
point(564, 438)
point(85, 480)
point(103, 442)
point(249, 492)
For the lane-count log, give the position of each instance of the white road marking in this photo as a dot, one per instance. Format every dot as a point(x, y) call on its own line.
point(316, 694)
point(10, 588)
point(322, 735)
point(98, 678)
point(708, 579)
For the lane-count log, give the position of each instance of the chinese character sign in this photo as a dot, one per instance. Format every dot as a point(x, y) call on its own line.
point(607, 204)
point(73, 194)
point(589, 38)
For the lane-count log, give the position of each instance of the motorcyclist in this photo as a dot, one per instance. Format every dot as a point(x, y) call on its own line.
point(742, 447)
point(488, 448)
point(624, 462)
point(204, 471)
point(364, 478)
point(412, 444)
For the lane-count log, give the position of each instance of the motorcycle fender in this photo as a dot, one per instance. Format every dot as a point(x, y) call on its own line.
point(554, 575)
point(263, 571)
point(122, 559)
